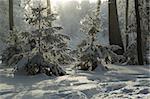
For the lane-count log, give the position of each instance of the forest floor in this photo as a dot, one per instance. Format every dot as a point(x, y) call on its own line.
point(120, 82)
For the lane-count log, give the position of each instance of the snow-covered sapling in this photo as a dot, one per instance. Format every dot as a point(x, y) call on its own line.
point(90, 52)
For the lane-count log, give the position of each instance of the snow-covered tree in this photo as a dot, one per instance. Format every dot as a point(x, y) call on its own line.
point(43, 49)
point(50, 44)
point(90, 52)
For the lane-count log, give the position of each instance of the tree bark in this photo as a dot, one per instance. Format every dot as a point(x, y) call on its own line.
point(11, 19)
point(114, 30)
point(139, 34)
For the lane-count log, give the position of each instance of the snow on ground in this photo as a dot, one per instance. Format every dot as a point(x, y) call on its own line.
point(120, 82)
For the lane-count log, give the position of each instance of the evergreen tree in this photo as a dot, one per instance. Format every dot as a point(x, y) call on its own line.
point(43, 49)
point(90, 52)
point(51, 45)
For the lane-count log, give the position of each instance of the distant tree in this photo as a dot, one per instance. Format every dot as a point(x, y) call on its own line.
point(70, 17)
point(139, 34)
point(85, 7)
point(114, 30)
point(11, 19)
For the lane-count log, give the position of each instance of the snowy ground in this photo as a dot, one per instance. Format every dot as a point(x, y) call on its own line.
point(121, 82)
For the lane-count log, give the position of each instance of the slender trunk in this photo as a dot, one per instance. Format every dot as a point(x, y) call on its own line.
point(49, 9)
point(11, 20)
point(139, 34)
point(127, 35)
point(114, 30)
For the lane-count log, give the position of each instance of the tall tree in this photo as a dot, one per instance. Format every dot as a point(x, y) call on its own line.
point(114, 30)
point(127, 36)
point(11, 19)
point(139, 34)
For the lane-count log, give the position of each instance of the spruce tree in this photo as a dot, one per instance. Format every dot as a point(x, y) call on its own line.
point(51, 45)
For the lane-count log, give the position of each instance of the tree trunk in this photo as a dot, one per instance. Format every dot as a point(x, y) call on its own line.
point(148, 13)
point(148, 31)
point(11, 20)
point(114, 30)
point(139, 34)
point(127, 35)
point(49, 9)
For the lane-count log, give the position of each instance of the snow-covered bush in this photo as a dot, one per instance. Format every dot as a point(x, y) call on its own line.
point(131, 54)
point(13, 52)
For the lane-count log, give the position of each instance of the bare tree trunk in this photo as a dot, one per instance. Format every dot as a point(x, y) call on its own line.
point(139, 34)
point(11, 19)
point(127, 35)
point(114, 30)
